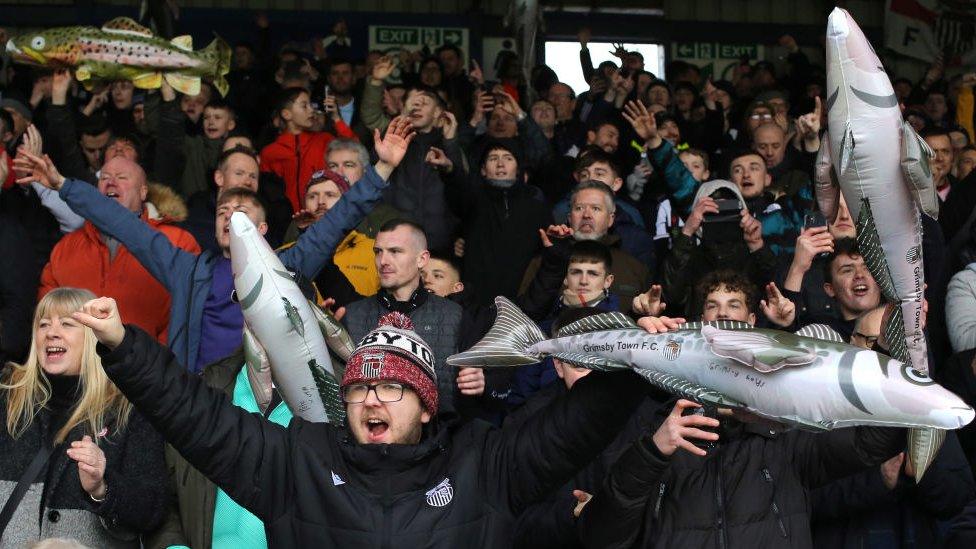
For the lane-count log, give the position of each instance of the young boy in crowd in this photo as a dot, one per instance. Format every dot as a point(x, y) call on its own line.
point(298, 152)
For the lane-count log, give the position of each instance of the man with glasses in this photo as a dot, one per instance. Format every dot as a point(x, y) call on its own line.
point(393, 472)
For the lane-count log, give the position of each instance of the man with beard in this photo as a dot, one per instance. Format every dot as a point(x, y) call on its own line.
point(592, 213)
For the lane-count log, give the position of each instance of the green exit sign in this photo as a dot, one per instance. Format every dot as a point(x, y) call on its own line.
point(714, 50)
point(396, 35)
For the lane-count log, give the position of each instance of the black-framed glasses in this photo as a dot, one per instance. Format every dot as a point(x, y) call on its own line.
point(869, 340)
point(386, 391)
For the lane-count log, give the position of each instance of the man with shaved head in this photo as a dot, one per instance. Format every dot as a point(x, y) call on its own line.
point(88, 258)
point(788, 166)
point(401, 253)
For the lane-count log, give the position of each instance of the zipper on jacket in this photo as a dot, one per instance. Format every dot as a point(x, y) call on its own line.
point(298, 167)
point(776, 512)
point(720, 503)
point(505, 198)
point(660, 500)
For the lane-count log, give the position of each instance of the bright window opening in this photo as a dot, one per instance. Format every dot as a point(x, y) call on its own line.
point(563, 57)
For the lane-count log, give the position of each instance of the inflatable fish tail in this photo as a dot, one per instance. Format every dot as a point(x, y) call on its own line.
point(218, 55)
point(328, 388)
point(923, 446)
point(507, 343)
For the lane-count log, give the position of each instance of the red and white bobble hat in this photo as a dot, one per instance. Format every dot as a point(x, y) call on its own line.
point(394, 352)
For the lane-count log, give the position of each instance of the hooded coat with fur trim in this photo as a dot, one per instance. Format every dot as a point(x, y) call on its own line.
point(82, 259)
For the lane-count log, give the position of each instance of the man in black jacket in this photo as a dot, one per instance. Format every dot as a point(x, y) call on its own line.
point(503, 216)
point(751, 491)
point(319, 485)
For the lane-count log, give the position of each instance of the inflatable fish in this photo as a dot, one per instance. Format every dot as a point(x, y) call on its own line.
point(731, 365)
point(283, 339)
point(881, 165)
point(125, 50)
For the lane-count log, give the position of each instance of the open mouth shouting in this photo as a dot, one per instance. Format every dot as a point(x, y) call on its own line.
point(376, 429)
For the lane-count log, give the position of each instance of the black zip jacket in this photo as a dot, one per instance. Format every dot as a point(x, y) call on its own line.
point(751, 491)
point(314, 487)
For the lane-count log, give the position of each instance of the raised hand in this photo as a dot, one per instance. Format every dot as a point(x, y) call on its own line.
point(583, 36)
point(459, 247)
point(328, 304)
point(303, 218)
point(331, 107)
point(582, 498)
point(677, 429)
point(705, 205)
point(436, 158)
point(33, 141)
point(777, 308)
point(643, 123)
point(382, 69)
point(448, 124)
point(91, 466)
point(891, 470)
point(554, 231)
point(659, 324)
point(812, 242)
point(509, 104)
point(751, 231)
point(476, 75)
point(391, 147)
point(102, 316)
point(60, 84)
point(649, 303)
point(37, 168)
point(618, 50)
point(471, 381)
point(483, 102)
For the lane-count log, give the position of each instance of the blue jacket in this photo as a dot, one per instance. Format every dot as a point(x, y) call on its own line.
point(188, 277)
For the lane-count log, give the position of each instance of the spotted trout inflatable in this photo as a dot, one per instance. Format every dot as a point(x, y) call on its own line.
point(125, 50)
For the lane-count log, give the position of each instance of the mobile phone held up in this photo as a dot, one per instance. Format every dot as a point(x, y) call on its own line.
point(723, 226)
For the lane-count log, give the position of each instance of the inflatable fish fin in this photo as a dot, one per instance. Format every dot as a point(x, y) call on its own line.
point(336, 336)
point(506, 343)
point(915, 156)
point(258, 369)
point(597, 323)
point(296, 319)
point(591, 362)
point(721, 324)
point(923, 446)
point(83, 73)
point(184, 42)
point(148, 81)
point(687, 389)
point(125, 25)
point(846, 149)
point(218, 55)
point(825, 187)
point(187, 85)
point(820, 331)
point(755, 350)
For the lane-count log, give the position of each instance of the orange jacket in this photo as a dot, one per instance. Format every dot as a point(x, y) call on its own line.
point(296, 157)
point(81, 260)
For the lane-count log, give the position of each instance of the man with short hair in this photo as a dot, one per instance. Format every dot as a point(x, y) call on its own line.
point(401, 253)
point(354, 256)
point(92, 258)
point(848, 280)
point(201, 285)
point(341, 79)
point(503, 217)
point(592, 213)
point(957, 199)
point(781, 216)
point(569, 131)
point(789, 173)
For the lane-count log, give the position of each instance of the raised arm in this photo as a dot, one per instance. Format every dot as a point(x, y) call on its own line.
point(316, 246)
point(247, 456)
point(155, 252)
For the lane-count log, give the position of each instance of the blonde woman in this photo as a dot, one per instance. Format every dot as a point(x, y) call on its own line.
point(102, 477)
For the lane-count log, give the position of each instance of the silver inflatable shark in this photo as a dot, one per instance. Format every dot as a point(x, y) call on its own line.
point(285, 335)
point(881, 165)
point(811, 380)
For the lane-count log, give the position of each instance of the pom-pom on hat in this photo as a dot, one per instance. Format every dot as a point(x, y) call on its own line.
point(394, 352)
